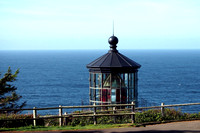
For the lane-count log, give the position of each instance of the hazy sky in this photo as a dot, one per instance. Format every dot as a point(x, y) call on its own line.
point(87, 24)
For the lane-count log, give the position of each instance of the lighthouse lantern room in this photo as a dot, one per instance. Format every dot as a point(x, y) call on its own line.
point(113, 77)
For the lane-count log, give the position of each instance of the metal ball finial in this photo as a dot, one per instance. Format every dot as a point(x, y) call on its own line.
point(113, 40)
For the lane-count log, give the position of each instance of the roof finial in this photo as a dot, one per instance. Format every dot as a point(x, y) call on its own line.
point(113, 27)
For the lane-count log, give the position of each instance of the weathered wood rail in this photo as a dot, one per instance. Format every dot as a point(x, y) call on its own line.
point(94, 113)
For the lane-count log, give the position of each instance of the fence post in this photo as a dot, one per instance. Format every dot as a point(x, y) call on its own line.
point(162, 110)
point(34, 116)
point(94, 117)
point(114, 108)
point(133, 112)
point(60, 115)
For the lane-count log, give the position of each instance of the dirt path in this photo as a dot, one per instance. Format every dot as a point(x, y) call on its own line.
point(175, 127)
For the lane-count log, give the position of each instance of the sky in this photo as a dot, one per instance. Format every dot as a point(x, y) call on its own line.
point(87, 24)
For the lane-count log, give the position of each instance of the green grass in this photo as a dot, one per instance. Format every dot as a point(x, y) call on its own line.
point(87, 127)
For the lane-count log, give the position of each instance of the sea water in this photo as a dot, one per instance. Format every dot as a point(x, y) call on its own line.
point(52, 78)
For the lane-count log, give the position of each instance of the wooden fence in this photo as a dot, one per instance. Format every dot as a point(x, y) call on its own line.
point(94, 113)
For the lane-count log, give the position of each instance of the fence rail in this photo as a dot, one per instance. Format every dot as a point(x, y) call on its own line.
point(95, 113)
point(162, 105)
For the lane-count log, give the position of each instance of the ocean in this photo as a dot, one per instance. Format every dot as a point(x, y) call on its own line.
point(60, 77)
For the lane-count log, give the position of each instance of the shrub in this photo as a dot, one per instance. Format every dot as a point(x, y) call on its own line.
point(169, 114)
point(148, 116)
point(10, 120)
point(140, 117)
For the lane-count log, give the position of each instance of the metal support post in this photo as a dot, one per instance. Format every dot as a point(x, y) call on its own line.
point(162, 110)
point(60, 116)
point(114, 111)
point(133, 112)
point(94, 117)
point(34, 116)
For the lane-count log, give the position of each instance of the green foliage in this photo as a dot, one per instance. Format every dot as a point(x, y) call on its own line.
point(148, 116)
point(140, 117)
point(172, 114)
point(82, 121)
point(18, 120)
point(8, 95)
point(50, 122)
point(10, 120)
point(169, 114)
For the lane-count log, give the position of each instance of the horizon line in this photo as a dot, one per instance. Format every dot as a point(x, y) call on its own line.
point(93, 49)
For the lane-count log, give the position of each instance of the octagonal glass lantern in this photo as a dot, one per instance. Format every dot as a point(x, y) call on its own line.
point(113, 78)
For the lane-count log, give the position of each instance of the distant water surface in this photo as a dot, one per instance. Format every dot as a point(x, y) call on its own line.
point(53, 78)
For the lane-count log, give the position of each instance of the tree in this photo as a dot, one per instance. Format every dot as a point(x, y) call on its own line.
point(8, 95)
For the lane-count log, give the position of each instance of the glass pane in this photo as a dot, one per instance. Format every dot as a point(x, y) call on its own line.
point(91, 94)
point(105, 75)
point(94, 80)
point(131, 80)
point(106, 81)
point(104, 95)
point(131, 86)
point(130, 94)
point(122, 80)
point(94, 95)
point(126, 79)
point(116, 81)
point(98, 80)
point(109, 95)
point(123, 95)
point(91, 80)
point(136, 87)
point(113, 95)
point(118, 95)
point(98, 94)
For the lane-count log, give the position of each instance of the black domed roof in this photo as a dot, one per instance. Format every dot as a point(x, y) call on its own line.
point(113, 61)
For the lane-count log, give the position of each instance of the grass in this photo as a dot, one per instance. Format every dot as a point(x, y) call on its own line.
point(87, 127)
